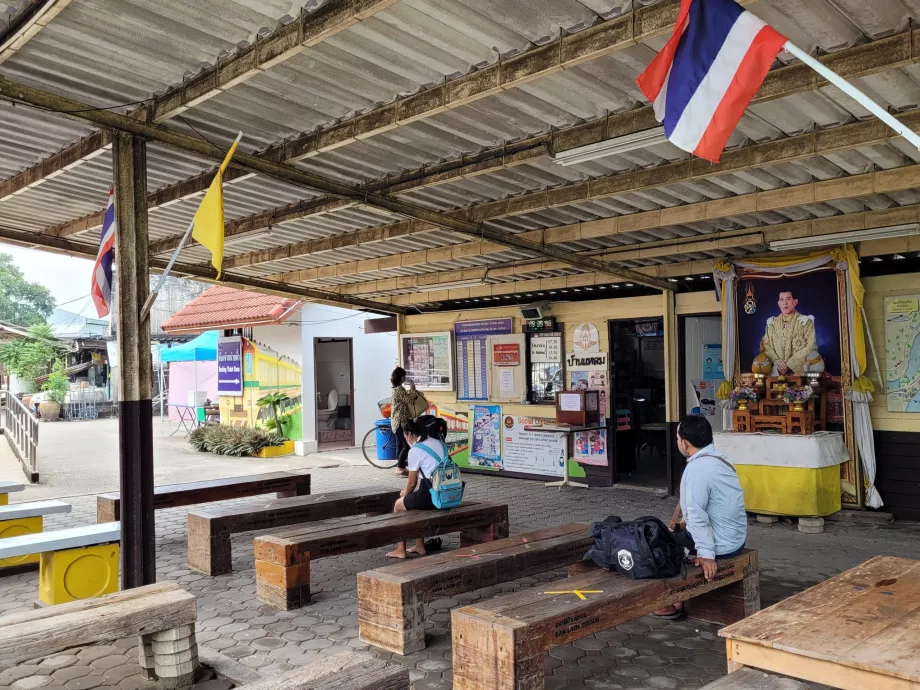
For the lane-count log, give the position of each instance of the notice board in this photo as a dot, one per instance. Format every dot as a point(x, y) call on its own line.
point(531, 452)
point(428, 360)
point(473, 357)
point(507, 380)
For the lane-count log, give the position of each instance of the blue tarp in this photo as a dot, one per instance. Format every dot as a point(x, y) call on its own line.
point(201, 349)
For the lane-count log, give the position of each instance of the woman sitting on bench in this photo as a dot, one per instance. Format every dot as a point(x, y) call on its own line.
point(424, 454)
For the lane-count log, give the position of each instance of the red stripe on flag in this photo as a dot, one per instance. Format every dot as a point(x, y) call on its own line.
point(652, 79)
point(750, 75)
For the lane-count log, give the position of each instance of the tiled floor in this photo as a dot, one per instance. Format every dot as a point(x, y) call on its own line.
point(646, 653)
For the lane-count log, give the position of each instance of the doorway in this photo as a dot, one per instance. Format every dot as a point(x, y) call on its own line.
point(638, 391)
point(334, 394)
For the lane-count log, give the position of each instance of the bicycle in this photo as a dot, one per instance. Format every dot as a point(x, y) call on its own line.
point(369, 444)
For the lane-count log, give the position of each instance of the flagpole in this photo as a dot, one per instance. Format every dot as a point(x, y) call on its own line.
point(145, 310)
point(854, 93)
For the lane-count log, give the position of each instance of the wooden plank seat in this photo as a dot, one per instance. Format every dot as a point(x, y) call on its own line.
point(6, 488)
point(500, 643)
point(391, 599)
point(161, 615)
point(74, 563)
point(284, 484)
point(342, 671)
point(283, 559)
point(20, 519)
point(209, 530)
point(751, 679)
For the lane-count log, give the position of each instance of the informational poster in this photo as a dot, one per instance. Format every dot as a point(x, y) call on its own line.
point(546, 348)
point(705, 396)
point(426, 357)
point(531, 452)
point(589, 371)
point(902, 353)
point(712, 362)
point(506, 381)
point(472, 355)
point(230, 365)
point(486, 443)
point(506, 355)
point(591, 447)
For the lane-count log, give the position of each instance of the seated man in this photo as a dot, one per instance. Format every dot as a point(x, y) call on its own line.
point(711, 500)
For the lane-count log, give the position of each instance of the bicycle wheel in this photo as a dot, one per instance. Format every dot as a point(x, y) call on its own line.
point(369, 448)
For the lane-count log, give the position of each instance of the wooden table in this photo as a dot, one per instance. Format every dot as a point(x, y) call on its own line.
point(859, 630)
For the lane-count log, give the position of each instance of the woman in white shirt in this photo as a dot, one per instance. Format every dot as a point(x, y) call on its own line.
point(424, 454)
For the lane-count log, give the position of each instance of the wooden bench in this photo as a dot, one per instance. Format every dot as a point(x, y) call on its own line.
point(283, 560)
point(209, 530)
point(500, 643)
point(284, 484)
point(6, 488)
point(750, 679)
point(91, 551)
point(20, 519)
point(161, 615)
point(342, 671)
point(391, 599)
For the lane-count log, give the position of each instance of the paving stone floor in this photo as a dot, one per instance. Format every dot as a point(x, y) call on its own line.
point(646, 653)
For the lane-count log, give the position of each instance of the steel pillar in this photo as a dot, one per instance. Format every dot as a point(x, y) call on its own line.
point(135, 369)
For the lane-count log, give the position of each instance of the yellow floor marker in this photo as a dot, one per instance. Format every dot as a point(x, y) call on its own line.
point(79, 573)
point(18, 528)
point(580, 593)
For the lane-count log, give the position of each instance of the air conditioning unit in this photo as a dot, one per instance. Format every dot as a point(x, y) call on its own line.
point(535, 311)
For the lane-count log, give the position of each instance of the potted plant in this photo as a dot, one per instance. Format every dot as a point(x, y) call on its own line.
point(797, 397)
point(742, 396)
point(56, 389)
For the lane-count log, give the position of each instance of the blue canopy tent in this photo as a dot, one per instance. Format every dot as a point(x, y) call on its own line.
point(192, 367)
point(201, 349)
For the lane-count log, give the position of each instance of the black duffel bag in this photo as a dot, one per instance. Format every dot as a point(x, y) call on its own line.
point(639, 549)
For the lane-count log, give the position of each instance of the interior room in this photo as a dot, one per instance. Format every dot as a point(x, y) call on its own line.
point(334, 392)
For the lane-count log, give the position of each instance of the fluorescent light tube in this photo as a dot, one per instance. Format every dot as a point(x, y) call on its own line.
point(612, 147)
point(845, 237)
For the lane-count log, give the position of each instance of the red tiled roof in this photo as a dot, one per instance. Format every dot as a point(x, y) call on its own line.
point(223, 307)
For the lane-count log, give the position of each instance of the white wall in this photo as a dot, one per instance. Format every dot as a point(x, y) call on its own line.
point(374, 358)
point(283, 339)
point(700, 330)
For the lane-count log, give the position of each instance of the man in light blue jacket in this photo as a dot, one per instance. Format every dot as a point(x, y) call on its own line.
point(711, 501)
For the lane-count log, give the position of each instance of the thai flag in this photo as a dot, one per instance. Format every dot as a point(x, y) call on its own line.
point(102, 271)
point(707, 73)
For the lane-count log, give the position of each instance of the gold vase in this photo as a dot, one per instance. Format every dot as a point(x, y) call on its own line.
point(797, 407)
point(742, 406)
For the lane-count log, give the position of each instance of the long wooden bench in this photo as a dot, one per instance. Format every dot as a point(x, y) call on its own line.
point(20, 519)
point(92, 551)
point(283, 560)
point(284, 484)
point(752, 679)
point(500, 643)
point(391, 599)
point(209, 530)
point(342, 671)
point(161, 615)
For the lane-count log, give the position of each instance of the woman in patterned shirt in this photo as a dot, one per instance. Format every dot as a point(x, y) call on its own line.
point(401, 412)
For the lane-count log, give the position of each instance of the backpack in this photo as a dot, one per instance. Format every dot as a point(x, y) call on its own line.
point(639, 549)
point(446, 485)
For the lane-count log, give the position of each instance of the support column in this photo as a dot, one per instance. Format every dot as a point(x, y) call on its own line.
point(135, 370)
point(672, 389)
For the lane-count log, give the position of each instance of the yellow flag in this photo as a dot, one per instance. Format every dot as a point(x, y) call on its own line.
point(208, 230)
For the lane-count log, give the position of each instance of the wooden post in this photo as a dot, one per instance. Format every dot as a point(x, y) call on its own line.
point(135, 371)
point(675, 463)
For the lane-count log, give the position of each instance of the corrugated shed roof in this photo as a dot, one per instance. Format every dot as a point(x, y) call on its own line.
point(223, 307)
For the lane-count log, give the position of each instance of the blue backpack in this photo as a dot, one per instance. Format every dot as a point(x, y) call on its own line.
point(446, 485)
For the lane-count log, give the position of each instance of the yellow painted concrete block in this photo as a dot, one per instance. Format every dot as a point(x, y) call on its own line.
point(287, 448)
point(82, 573)
point(19, 528)
point(4, 499)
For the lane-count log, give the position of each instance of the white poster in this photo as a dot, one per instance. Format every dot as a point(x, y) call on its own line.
point(532, 452)
point(506, 378)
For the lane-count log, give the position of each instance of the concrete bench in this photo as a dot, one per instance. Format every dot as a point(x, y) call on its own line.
point(20, 519)
point(752, 679)
point(500, 643)
point(391, 599)
point(75, 563)
point(343, 671)
point(161, 615)
point(284, 484)
point(6, 488)
point(283, 559)
point(209, 530)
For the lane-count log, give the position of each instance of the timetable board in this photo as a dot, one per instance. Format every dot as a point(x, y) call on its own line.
point(473, 355)
point(428, 360)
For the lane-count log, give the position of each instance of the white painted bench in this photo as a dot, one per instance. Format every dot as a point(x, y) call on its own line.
point(162, 616)
point(7, 488)
point(20, 511)
point(21, 519)
point(94, 547)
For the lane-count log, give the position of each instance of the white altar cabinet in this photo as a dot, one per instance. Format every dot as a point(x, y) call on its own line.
point(787, 474)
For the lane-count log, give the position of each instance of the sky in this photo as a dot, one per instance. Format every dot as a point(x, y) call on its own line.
point(67, 277)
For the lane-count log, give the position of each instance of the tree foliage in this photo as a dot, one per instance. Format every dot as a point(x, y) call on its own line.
point(21, 302)
point(32, 356)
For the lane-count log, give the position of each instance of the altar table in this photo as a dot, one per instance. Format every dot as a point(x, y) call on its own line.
point(787, 474)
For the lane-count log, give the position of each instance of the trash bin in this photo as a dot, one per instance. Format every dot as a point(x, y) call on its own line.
point(386, 440)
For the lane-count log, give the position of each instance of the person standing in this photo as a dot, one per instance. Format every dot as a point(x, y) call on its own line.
point(711, 501)
point(402, 405)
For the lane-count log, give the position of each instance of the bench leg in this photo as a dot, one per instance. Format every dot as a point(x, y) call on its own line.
point(479, 535)
point(390, 616)
point(302, 488)
point(106, 510)
point(208, 546)
point(82, 573)
point(19, 528)
point(731, 603)
point(175, 656)
point(282, 576)
point(146, 658)
point(487, 655)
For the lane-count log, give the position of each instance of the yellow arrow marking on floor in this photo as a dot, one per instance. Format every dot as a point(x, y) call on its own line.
point(580, 593)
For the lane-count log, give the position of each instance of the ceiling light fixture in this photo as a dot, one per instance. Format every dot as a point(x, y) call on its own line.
point(611, 147)
point(843, 237)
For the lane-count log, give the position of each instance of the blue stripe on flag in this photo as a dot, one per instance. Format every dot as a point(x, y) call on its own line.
point(709, 23)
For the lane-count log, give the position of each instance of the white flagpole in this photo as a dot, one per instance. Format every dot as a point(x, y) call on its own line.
point(855, 94)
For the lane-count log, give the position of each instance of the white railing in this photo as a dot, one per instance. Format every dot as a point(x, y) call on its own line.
point(20, 427)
